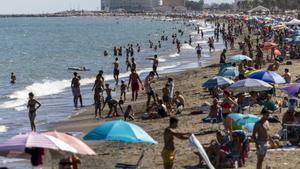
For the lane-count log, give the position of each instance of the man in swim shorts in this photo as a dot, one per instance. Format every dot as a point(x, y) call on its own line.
point(75, 89)
point(261, 137)
point(135, 82)
point(168, 152)
point(116, 70)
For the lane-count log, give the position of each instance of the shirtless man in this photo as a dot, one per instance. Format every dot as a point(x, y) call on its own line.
point(287, 76)
point(75, 86)
point(147, 84)
point(261, 137)
point(116, 70)
point(168, 152)
point(100, 82)
point(155, 64)
point(133, 64)
point(135, 81)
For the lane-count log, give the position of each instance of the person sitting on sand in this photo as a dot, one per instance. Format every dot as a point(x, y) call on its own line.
point(214, 113)
point(162, 110)
point(269, 104)
point(228, 104)
point(31, 105)
point(168, 153)
point(128, 114)
point(179, 101)
point(287, 76)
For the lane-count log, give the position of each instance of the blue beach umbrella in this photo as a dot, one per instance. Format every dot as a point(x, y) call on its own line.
point(235, 116)
point(121, 131)
point(217, 81)
point(250, 127)
point(296, 39)
point(229, 72)
point(246, 119)
point(268, 76)
point(238, 58)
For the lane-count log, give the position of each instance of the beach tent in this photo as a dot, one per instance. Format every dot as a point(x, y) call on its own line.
point(259, 9)
point(293, 22)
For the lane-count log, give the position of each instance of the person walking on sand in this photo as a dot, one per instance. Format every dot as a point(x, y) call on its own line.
point(155, 64)
point(135, 81)
point(31, 105)
point(223, 57)
point(147, 84)
point(260, 136)
point(168, 153)
point(116, 70)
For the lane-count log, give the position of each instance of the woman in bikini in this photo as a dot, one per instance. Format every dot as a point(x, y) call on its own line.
point(31, 105)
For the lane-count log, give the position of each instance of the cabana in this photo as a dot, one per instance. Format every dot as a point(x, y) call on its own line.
point(259, 9)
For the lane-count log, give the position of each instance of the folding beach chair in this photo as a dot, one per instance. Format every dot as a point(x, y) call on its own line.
point(132, 166)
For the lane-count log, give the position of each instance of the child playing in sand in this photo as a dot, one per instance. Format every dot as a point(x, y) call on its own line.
point(108, 98)
point(123, 88)
point(128, 114)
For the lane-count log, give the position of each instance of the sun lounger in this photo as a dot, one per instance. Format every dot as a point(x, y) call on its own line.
point(131, 166)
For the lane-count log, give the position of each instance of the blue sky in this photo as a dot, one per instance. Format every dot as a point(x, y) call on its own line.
point(43, 6)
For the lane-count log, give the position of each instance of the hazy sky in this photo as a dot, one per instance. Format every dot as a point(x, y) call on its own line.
point(43, 6)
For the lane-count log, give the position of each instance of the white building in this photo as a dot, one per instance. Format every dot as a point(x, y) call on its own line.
point(134, 5)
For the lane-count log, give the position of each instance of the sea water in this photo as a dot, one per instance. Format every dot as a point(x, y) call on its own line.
point(40, 50)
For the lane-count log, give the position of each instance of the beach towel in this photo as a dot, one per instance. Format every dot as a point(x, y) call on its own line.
point(194, 142)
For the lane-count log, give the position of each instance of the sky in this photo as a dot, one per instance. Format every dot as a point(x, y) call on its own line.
point(48, 6)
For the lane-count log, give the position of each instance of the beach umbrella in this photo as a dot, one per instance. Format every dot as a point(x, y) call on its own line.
point(238, 58)
point(249, 85)
point(235, 116)
point(296, 33)
point(292, 90)
point(249, 72)
point(229, 72)
point(80, 146)
point(288, 40)
point(246, 119)
point(217, 81)
point(268, 76)
point(249, 127)
point(18, 143)
point(121, 131)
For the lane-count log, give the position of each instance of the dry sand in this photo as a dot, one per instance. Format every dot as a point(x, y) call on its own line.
point(189, 83)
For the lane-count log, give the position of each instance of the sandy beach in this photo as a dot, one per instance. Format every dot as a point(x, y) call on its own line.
point(189, 83)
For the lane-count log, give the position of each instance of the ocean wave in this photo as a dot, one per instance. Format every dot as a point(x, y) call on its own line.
point(18, 99)
point(187, 46)
point(174, 55)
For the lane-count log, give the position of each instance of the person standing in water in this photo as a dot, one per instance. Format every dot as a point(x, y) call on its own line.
point(31, 105)
point(13, 78)
point(199, 51)
point(75, 86)
point(155, 64)
point(116, 70)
